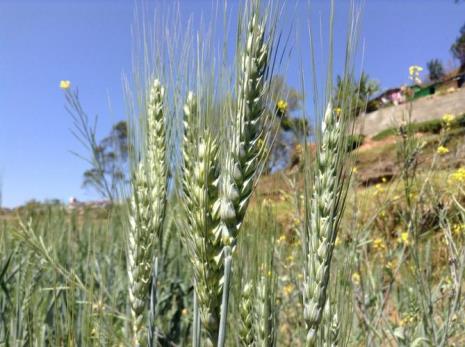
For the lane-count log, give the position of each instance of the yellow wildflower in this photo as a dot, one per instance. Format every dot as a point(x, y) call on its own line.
point(354, 169)
point(458, 229)
point(384, 179)
point(391, 265)
point(404, 238)
point(378, 244)
point(338, 111)
point(458, 176)
point(281, 239)
point(414, 69)
point(442, 150)
point(64, 84)
point(288, 289)
point(281, 106)
point(448, 118)
point(414, 72)
point(356, 278)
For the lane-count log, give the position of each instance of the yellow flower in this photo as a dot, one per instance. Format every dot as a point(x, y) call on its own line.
point(356, 278)
point(354, 169)
point(288, 289)
point(458, 229)
point(448, 118)
point(414, 69)
point(282, 106)
point(458, 176)
point(442, 150)
point(404, 238)
point(414, 73)
point(378, 244)
point(184, 312)
point(384, 179)
point(281, 239)
point(64, 84)
point(338, 111)
point(391, 265)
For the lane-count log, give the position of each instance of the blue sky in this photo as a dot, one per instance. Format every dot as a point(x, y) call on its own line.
point(89, 43)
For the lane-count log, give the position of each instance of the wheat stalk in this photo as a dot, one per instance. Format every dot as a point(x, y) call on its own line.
point(147, 210)
point(156, 156)
point(263, 315)
point(246, 329)
point(140, 244)
point(201, 199)
point(325, 210)
point(248, 138)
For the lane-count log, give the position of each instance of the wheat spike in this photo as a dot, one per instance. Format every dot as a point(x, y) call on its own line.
point(147, 210)
point(140, 244)
point(326, 206)
point(201, 194)
point(243, 161)
point(246, 311)
point(156, 155)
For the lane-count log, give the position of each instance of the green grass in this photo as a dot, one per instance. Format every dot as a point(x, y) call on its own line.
point(428, 127)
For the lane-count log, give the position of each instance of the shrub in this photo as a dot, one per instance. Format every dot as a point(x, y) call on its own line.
point(428, 127)
point(354, 141)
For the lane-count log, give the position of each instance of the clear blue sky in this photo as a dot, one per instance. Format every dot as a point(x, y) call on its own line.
point(89, 43)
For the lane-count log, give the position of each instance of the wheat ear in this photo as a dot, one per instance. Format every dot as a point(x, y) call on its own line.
point(243, 161)
point(140, 243)
point(263, 315)
point(246, 312)
point(201, 195)
point(156, 156)
point(147, 211)
point(325, 210)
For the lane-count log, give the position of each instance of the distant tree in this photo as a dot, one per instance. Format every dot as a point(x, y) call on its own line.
point(458, 48)
point(286, 101)
point(108, 158)
point(358, 92)
point(112, 152)
point(435, 69)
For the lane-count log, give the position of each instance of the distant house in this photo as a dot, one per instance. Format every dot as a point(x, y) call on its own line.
point(392, 96)
point(396, 96)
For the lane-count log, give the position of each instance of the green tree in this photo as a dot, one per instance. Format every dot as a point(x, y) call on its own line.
point(286, 101)
point(112, 152)
point(435, 69)
point(362, 90)
point(108, 158)
point(458, 48)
